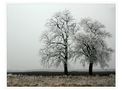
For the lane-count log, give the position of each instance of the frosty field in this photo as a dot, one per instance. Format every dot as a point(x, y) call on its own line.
point(60, 80)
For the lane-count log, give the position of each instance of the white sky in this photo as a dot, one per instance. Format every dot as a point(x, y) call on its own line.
point(26, 22)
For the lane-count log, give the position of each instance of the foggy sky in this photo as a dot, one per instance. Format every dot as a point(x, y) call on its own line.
point(26, 22)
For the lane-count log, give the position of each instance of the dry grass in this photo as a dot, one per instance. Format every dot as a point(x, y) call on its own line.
point(44, 81)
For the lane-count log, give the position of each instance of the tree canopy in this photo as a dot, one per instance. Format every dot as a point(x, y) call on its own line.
point(91, 43)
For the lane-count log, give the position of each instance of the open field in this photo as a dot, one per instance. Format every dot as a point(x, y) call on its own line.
point(61, 80)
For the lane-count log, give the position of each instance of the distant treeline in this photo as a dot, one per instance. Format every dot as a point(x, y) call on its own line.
point(46, 73)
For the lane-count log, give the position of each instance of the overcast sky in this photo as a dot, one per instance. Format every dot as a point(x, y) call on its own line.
point(26, 22)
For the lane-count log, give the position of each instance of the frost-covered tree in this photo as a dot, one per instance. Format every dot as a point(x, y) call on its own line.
point(57, 40)
point(91, 44)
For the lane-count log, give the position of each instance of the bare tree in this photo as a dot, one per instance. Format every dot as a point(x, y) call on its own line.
point(57, 40)
point(92, 45)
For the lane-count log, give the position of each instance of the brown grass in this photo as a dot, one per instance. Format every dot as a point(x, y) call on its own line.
point(57, 81)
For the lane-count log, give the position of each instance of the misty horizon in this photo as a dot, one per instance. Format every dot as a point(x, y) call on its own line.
point(26, 23)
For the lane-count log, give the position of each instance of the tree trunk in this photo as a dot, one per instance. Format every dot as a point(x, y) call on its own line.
point(65, 63)
point(66, 58)
point(65, 68)
point(90, 68)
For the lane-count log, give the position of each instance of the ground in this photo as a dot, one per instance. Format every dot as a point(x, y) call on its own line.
point(61, 80)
